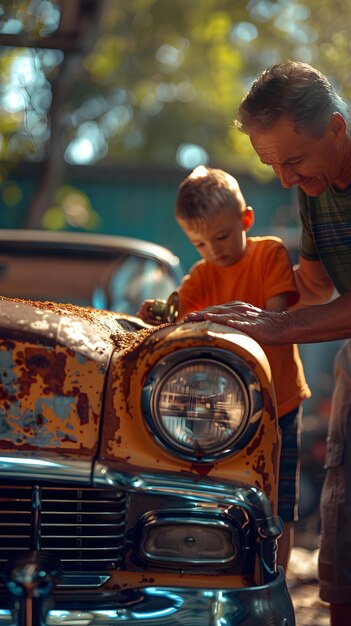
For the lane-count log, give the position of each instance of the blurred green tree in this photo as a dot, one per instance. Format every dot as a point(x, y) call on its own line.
point(155, 83)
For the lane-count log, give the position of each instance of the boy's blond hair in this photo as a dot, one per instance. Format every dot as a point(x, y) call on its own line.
point(206, 192)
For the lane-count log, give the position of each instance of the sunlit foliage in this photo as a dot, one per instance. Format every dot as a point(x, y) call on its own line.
point(164, 79)
point(70, 208)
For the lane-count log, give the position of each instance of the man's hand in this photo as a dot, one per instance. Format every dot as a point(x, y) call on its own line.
point(263, 326)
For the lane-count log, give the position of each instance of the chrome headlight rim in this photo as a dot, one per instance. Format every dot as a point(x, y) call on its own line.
point(241, 371)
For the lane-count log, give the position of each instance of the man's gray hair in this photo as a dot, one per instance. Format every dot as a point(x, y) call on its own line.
point(294, 89)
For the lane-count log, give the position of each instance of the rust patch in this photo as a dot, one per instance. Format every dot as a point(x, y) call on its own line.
point(203, 469)
point(257, 441)
point(7, 397)
point(260, 468)
point(83, 408)
point(41, 404)
point(144, 579)
point(50, 366)
point(268, 404)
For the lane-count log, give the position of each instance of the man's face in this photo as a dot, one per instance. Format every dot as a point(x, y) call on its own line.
point(300, 159)
point(220, 240)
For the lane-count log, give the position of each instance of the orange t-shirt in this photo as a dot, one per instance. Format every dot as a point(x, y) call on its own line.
point(263, 272)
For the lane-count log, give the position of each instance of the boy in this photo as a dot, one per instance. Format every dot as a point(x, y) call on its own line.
point(212, 212)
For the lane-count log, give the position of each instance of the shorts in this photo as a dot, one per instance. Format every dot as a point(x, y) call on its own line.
point(289, 468)
point(335, 552)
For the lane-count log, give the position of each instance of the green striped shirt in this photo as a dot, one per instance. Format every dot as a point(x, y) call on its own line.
point(326, 233)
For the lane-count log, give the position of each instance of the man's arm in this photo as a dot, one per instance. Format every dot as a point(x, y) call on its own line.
point(313, 283)
point(325, 322)
point(277, 303)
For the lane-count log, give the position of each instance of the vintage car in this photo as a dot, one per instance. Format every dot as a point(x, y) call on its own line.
point(102, 271)
point(138, 472)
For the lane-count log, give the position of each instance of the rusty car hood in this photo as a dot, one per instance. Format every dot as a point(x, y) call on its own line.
point(53, 364)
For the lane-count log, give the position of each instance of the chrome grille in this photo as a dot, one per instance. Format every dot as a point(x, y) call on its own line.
point(84, 527)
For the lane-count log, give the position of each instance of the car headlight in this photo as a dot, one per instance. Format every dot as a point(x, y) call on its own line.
point(199, 404)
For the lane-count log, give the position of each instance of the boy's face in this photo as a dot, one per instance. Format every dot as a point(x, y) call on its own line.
point(220, 240)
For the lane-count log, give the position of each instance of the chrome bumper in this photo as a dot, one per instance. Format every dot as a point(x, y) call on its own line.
point(170, 606)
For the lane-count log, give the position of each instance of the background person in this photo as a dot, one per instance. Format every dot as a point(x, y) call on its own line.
point(213, 214)
point(301, 127)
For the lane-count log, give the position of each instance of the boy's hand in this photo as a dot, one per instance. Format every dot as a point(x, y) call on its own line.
point(160, 311)
point(146, 313)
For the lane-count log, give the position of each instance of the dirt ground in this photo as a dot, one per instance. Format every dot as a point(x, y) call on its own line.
point(303, 585)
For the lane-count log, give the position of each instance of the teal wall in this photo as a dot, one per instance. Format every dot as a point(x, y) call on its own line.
point(140, 204)
point(14, 215)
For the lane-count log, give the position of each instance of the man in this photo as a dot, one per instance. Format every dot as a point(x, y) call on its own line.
point(300, 126)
